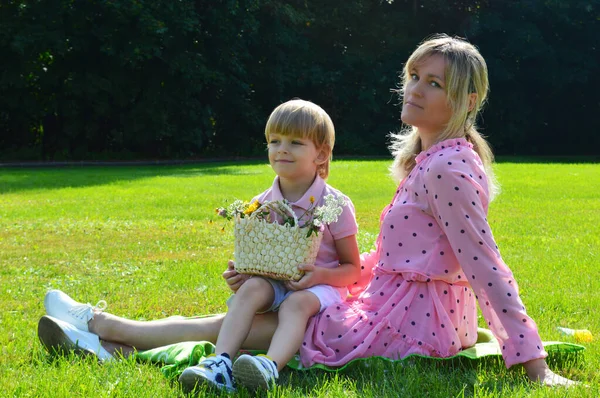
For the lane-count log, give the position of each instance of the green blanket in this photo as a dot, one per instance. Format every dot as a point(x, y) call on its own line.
point(176, 357)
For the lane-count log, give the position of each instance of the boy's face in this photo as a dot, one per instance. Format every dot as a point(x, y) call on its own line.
point(293, 157)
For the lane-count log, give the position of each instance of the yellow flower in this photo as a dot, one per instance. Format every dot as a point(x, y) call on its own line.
point(312, 199)
point(252, 208)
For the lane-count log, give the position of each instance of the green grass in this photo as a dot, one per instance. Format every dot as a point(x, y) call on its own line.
point(146, 239)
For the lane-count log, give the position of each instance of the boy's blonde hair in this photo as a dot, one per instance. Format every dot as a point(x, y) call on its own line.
point(466, 73)
point(304, 119)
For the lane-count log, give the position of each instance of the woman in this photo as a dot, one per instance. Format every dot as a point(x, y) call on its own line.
point(435, 253)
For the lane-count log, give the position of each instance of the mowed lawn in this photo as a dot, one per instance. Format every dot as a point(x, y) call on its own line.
point(147, 240)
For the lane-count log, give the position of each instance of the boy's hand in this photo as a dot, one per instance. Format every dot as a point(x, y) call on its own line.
point(233, 278)
point(309, 279)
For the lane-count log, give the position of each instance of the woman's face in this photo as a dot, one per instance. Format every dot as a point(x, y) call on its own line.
point(425, 105)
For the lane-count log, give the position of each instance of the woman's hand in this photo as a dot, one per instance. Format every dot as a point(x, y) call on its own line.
point(538, 371)
point(233, 278)
point(310, 278)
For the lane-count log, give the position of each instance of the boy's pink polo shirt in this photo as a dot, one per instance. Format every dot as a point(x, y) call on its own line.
point(344, 227)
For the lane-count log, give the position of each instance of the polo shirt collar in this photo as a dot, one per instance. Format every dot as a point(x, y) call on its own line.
point(315, 190)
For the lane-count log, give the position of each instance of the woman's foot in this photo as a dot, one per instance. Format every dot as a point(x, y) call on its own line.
point(60, 306)
point(62, 337)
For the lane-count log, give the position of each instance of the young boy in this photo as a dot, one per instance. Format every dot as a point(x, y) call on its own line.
point(300, 137)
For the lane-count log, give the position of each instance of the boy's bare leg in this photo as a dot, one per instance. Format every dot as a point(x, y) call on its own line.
point(256, 294)
point(294, 314)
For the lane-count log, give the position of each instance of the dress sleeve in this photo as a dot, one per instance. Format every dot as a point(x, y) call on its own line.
point(458, 198)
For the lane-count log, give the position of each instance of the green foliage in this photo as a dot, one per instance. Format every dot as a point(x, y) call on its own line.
point(94, 77)
point(182, 79)
point(542, 60)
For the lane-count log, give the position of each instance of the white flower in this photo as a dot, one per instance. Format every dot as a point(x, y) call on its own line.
point(314, 217)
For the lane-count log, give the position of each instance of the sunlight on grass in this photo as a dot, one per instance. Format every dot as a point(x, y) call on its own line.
point(147, 240)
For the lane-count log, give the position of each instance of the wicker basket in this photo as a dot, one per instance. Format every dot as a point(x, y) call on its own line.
point(273, 250)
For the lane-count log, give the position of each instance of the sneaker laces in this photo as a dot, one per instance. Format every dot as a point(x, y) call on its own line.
point(212, 361)
point(86, 311)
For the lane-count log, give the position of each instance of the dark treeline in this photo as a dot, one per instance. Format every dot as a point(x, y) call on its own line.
point(131, 79)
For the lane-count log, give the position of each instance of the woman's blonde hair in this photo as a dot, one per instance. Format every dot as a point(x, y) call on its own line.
point(299, 118)
point(466, 73)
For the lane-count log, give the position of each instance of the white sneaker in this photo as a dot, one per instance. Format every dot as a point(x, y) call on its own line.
point(214, 370)
point(59, 336)
point(59, 305)
point(255, 372)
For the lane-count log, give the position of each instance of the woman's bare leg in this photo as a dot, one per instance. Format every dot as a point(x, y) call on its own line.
point(117, 349)
point(145, 335)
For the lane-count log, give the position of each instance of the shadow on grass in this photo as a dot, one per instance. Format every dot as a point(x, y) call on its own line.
point(412, 377)
point(77, 175)
point(549, 159)
point(24, 179)
point(417, 377)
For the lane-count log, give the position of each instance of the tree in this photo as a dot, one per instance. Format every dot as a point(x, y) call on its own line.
point(163, 79)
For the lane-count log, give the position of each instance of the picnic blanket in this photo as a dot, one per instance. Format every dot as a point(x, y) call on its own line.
point(175, 358)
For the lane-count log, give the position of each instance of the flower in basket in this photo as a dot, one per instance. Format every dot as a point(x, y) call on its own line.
point(271, 240)
point(314, 218)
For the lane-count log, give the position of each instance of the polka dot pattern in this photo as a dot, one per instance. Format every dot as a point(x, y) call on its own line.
point(414, 296)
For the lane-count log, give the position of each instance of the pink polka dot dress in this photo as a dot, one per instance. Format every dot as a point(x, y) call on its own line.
point(435, 258)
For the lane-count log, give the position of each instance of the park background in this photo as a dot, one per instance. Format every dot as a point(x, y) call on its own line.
point(131, 79)
point(103, 81)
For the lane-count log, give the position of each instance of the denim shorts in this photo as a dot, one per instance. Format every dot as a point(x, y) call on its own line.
point(326, 294)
